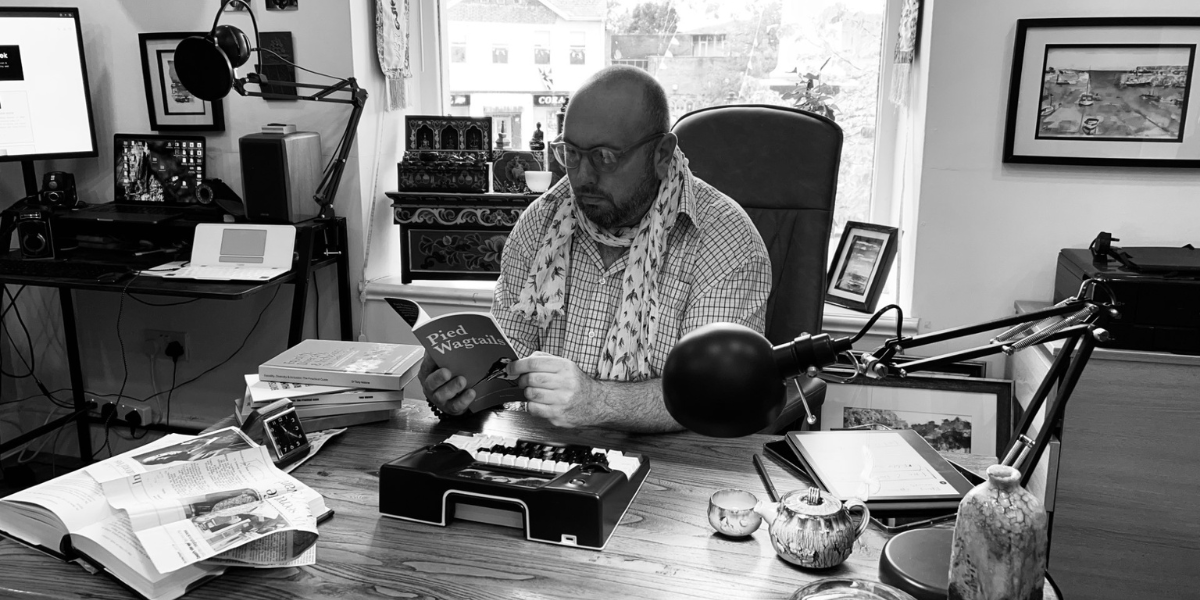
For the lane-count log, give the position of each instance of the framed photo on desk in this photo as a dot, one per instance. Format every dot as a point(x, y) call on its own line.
point(171, 106)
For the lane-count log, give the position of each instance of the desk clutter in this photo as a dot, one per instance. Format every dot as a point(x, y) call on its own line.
point(564, 494)
point(172, 514)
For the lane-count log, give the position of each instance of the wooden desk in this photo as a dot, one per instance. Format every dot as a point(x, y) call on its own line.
point(1124, 523)
point(664, 547)
point(318, 244)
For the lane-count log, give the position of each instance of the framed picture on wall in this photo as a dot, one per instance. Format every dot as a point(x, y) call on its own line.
point(1105, 92)
point(861, 265)
point(170, 106)
point(970, 415)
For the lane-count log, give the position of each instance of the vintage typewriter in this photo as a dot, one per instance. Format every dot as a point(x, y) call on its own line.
point(564, 494)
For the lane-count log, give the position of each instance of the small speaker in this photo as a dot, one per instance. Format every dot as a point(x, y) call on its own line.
point(34, 236)
point(58, 189)
point(280, 174)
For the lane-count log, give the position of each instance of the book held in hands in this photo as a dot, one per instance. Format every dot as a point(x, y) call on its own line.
point(470, 345)
point(170, 515)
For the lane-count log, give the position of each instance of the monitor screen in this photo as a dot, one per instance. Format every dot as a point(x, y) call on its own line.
point(45, 108)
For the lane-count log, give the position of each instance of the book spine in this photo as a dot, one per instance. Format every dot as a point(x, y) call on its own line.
point(334, 421)
point(336, 378)
point(348, 398)
point(345, 409)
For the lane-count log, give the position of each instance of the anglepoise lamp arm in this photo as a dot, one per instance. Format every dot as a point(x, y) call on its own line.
point(1080, 340)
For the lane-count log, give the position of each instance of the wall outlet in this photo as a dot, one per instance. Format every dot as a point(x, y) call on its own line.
point(156, 342)
point(142, 410)
point(98, 411)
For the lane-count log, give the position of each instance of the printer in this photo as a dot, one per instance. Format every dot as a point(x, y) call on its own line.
point(1157, 290)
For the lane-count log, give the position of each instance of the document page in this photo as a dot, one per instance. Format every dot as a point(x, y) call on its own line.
point(874, 465)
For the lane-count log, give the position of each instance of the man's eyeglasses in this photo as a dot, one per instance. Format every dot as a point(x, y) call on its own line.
point(605, 160)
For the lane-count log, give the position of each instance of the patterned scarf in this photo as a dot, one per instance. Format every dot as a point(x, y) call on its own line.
point(391, 45)
point(630, 340)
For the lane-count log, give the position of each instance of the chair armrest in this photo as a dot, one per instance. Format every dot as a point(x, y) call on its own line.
point(793, 416)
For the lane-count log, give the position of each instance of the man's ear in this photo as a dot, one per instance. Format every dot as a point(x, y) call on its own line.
point(664, 152)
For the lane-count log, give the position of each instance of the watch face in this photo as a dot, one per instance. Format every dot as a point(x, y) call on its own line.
point(286, 433)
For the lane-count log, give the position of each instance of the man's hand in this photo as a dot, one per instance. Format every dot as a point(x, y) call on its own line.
point(558, 391)
point(443, 389)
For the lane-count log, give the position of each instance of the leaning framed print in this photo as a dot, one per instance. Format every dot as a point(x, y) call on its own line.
point(1104, 92)
point(171, 107)
point(970, 415)
point(861, 265)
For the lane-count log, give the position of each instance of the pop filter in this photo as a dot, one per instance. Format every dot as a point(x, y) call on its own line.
point(205, 64)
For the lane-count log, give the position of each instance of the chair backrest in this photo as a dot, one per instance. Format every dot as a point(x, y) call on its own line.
point(781, 165)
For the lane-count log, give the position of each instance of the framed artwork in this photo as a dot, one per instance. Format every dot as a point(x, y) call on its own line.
point(1104, 92)
point(170, 106)
point(283, 4)
point(970, 415)
point(861, 265)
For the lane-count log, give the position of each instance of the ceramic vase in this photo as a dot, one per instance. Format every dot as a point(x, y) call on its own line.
point(999, 550)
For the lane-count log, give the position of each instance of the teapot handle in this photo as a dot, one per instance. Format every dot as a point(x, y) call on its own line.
point(854, 503)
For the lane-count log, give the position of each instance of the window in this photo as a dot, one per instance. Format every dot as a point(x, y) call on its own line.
point(579, 48)
point(820, 55)
point(541, 48)
point(458, 53)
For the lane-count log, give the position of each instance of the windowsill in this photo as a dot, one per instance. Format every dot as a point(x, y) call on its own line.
point(478, 294)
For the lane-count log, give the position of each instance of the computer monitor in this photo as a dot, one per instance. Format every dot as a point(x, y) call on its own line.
point(45, 104)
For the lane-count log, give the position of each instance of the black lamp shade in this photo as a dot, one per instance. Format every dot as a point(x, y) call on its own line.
point(721, 380)
point(205, 64)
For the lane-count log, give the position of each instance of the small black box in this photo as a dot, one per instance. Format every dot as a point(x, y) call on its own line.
point(1159, 312)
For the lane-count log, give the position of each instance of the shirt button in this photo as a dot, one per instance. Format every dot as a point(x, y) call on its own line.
point(591, 334)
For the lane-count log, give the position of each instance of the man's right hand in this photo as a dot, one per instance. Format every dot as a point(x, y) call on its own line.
point(447, 392)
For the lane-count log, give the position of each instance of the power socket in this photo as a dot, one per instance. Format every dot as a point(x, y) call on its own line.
point(128, 409)
point(102, 408)
point(156, 341)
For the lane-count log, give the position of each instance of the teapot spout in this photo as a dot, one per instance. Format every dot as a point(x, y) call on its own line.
point(767, 510)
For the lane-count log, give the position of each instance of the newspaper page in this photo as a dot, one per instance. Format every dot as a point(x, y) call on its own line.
point(170, 450)
point(192, 511)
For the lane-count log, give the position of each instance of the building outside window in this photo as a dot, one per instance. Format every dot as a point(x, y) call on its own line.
point(703, 52)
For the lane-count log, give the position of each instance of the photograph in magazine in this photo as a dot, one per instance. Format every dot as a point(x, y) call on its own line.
point(199, 448)
point(224, 518)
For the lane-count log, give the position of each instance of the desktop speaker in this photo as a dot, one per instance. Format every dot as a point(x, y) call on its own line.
point(34, 236)
point(58, 189)
point(280, 174)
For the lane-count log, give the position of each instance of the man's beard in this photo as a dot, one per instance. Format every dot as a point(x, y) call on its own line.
point(614, 215)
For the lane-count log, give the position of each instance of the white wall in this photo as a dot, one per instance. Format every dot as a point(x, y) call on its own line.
point(989, 233)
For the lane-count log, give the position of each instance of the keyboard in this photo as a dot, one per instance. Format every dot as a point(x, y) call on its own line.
point(63, 269)
point(225, 273)
point(566, 494)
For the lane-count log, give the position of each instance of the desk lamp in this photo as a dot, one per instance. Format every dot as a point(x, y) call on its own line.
point(726, 380)
point(206, 66)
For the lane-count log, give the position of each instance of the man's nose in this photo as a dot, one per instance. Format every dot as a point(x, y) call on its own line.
point(585, 174)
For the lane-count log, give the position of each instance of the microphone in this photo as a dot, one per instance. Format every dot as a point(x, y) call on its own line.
point(726, 380)
point(205, 64)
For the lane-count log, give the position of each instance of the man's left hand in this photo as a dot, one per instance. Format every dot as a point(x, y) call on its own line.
point(558, 390)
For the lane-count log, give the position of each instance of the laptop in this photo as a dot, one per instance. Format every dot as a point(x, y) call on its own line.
point(239, 252)
point(148, 171)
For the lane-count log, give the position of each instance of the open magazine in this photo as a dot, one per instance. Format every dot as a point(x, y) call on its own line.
point(172, 514)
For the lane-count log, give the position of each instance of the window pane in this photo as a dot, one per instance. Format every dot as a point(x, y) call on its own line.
point(820, 55)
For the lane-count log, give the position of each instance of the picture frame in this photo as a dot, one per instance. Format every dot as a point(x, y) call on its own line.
point(169, 105)
point(943, 408)
point(861, 265)
point(1104, 92)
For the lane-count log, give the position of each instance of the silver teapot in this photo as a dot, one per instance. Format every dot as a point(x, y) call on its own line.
point(813, 529)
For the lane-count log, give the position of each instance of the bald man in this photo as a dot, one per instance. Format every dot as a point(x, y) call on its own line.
point(613, 264)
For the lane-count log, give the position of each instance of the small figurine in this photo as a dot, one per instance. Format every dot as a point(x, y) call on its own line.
point(537, 142)
point(501, 143)
point(561, 115)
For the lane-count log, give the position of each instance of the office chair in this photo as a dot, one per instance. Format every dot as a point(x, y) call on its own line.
point(781, 165)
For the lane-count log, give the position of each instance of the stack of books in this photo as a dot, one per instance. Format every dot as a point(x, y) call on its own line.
point(333, 383)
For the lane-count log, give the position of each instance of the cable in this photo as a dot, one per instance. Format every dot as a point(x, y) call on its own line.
point(316, 308)
point(136, 299)
point(228, 358)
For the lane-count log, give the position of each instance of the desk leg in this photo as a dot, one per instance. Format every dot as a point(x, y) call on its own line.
point(343, 275)
point(304, 241)
point(71, 341)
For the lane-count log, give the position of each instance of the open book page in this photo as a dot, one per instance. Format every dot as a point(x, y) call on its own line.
point(875, 464)
point(113, 543)
point(193, 511)
point(171, 450)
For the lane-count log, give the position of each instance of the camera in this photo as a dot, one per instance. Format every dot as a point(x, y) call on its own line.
point(58, 189)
